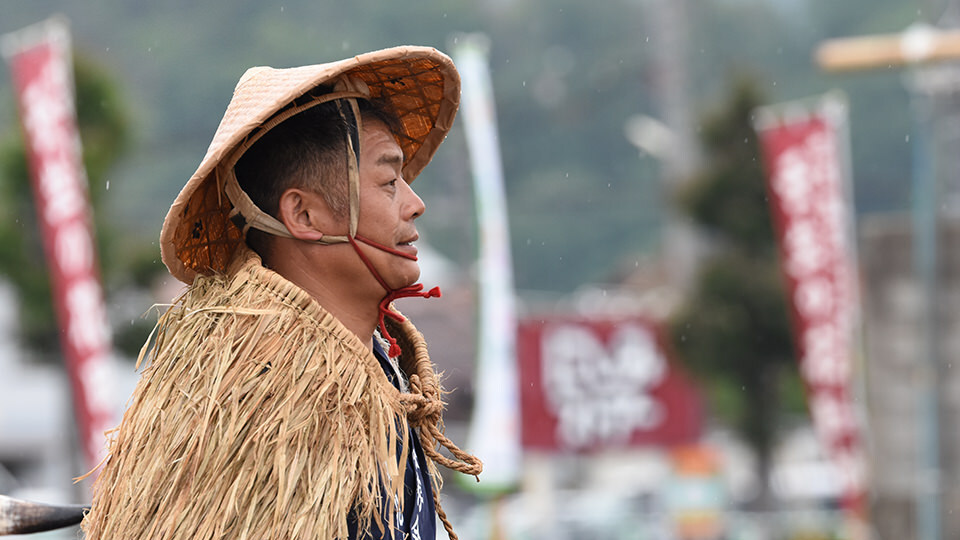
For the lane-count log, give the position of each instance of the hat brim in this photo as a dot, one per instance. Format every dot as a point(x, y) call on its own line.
point(419, 85)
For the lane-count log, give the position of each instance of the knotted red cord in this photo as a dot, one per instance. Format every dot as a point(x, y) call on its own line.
point(392, 294)
point(385, 311)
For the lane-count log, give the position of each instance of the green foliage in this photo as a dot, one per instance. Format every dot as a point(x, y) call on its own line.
point(734, 331)
point(21, 249)
point(729, 197)
point(102, 118)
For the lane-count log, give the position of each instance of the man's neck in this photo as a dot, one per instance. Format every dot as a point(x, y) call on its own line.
point(336, 293)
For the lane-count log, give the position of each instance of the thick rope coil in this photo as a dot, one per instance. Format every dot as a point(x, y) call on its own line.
point(424, 409)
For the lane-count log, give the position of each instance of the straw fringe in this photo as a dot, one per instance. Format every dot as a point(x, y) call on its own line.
point(261, 416)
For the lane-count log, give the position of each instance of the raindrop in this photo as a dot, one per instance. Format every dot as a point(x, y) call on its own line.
point(108, 185)
point(281, 9)
point(149, 49)
point(524, 83)
point(907, 138)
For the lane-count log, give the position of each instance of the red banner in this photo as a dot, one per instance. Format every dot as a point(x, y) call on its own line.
point(40, 61)
point(804, 156)
point(594, 383)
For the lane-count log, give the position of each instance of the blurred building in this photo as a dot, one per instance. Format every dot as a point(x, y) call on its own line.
point(896, 376)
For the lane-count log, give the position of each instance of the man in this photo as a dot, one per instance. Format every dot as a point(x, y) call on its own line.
point(285, 397)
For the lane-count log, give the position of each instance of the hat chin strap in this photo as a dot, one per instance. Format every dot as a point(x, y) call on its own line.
point(254, 217)
point(392, 294)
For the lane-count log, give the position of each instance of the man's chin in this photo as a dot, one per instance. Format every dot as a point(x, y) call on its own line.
point(406, 279)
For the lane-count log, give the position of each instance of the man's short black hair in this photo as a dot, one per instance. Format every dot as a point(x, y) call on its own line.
point(306, 151)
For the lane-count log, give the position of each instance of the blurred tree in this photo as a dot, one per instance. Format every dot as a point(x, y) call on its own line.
point(734, 330)
point(103, 122)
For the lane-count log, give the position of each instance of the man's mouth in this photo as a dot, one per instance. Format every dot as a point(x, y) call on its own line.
point(408, 247)
point(409, 241)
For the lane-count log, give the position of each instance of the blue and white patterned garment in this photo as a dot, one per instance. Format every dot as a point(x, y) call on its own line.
point(418, 521)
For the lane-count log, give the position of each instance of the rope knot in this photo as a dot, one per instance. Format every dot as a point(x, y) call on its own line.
point(423, 408)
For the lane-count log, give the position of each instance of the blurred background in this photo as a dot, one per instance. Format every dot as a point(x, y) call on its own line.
point(639, 237)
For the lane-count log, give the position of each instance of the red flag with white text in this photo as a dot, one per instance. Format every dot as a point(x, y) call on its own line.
point(40, 62)
point(590, 383)
point(805, 156)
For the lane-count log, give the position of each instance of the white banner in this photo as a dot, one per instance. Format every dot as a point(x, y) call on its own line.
point(494, 430)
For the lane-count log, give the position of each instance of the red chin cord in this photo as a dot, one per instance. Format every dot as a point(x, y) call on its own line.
point(392, 294)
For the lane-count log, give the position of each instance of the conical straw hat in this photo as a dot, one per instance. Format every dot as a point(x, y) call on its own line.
point(420, 85)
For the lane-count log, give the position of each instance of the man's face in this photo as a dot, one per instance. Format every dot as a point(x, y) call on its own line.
point(388, 206)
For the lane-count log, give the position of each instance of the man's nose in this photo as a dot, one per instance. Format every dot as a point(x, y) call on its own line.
point(414, 202)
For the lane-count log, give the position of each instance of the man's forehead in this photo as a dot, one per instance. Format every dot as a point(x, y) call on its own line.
point(386, 147)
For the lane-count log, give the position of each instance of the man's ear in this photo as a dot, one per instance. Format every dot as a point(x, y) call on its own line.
point(305, 214)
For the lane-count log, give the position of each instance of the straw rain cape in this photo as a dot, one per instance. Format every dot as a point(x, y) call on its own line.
point(261, 416)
